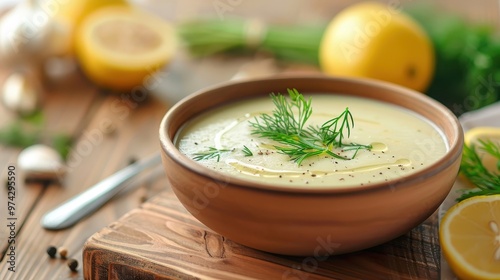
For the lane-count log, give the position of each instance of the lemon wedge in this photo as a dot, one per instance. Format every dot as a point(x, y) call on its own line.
point(118, 47)
point(470, 237)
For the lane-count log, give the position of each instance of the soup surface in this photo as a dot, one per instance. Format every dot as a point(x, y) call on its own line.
point(402, 142)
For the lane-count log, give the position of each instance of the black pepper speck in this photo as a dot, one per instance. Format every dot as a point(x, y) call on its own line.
point(52, 251)
point(72, 264)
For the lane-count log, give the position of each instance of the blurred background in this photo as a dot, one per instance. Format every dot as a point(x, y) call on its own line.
point(463, 35)
point(45, 44)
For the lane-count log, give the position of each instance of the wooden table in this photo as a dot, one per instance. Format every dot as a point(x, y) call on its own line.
point(109, 131)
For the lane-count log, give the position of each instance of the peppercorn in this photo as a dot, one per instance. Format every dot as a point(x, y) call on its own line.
point(72, 264)
point(51, 251)
point(63, 252)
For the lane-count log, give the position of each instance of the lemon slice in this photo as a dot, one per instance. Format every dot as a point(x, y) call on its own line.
point(483, 132)
point(470, 237)
point(473, 136)
point(119, 47)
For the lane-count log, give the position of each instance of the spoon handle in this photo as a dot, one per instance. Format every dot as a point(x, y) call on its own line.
point(76, 208)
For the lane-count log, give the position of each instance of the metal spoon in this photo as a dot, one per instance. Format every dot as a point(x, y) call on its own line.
point(76, 208)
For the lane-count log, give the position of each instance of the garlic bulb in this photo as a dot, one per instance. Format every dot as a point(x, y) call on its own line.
point(21, 93)
point(29, 34)
point(41, 162)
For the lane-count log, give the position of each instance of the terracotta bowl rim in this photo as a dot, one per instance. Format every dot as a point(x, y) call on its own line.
point(454, 152)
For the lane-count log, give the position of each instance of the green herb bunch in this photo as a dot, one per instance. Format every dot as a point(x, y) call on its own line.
point(212, 36)
point(287, 126)
point(467, 55)
point(25, 131)
point(473, 168)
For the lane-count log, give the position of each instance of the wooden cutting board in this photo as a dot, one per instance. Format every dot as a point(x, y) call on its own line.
point(161, 240)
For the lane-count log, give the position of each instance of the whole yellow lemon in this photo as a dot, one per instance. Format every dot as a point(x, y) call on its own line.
point(378, 41)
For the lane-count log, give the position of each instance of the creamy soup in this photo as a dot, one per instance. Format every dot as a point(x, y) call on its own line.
point(402, 142)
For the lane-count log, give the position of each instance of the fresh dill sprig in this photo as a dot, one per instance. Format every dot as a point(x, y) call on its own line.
point(211, 153)
point(329, 131)
point(286, 125)
point(283, 120)
point(473, 168)
point(247, 151)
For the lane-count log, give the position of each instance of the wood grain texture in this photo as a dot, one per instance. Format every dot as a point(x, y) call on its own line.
point(161, 240)
point(83, 112)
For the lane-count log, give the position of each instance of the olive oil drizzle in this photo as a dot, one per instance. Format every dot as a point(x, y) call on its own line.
point(256, 170)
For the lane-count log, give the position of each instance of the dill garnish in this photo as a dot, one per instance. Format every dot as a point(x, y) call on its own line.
point(286, 125)
point(247, 151)
point(473, 168)
point(211, 153)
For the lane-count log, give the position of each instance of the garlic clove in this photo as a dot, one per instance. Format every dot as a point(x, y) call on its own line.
point(29, 34)
point(41, 162)
point(21, 94)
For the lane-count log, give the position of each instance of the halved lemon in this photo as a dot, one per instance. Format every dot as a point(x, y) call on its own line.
point(119, 47)
point(470, 237)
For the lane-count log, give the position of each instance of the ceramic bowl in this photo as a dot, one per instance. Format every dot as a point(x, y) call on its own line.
point(305, 221)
